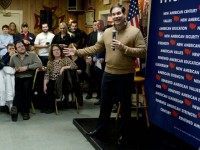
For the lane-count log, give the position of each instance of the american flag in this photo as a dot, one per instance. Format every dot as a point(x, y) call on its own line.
point(133, 18)
point(133, 14)
point(145, 7)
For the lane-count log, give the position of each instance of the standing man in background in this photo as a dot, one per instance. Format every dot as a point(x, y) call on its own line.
point(98, 60)
point(90, 78)
point(10, 52)
point(117, 82)
point(26, 37)
point(43, 42)
point(94, 26)
point(78, 36)
point(109, 21)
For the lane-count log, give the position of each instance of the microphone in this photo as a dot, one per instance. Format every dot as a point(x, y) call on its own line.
point(114, 34)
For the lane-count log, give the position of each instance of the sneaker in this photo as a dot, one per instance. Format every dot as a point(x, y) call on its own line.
point(14, 113)
point(122, 140)
point(26, 116)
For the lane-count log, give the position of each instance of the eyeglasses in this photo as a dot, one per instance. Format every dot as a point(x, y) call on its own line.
point(56, 49)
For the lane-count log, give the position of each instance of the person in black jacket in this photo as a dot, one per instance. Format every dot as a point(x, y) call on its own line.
point(62, 38)
point(77, 36)
point(98, 62)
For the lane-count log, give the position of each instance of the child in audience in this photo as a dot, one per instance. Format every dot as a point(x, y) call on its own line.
point(2, 89)
point(9, 76)
point(10, 52)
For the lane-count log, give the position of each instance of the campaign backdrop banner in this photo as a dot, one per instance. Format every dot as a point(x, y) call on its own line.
point(173, 68)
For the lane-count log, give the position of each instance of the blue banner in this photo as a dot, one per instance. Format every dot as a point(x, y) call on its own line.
point(173, 68)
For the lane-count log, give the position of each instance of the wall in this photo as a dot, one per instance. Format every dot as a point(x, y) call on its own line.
point(31, 10)
point(99, 6)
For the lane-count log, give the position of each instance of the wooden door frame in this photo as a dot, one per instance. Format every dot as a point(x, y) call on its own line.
point(20, 12)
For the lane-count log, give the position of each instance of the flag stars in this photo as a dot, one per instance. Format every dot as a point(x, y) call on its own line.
point(133, 13)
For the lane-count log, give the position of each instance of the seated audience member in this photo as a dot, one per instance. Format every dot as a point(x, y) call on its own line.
point(5, 38)
point(2, 89)
point(10, 52)
point(9, 77)
point(26, 37)
point(55, 67)
point(25, 64)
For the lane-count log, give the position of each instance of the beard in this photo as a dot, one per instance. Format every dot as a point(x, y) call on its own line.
point(45, 31)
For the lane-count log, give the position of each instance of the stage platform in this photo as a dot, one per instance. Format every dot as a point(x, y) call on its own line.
point(141, 137)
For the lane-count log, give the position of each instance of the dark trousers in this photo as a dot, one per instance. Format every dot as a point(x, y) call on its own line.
point(78, 92)
point(44, 60)
point(90, 79)
point(50, 100)
point(23, 94)
point(120, 87)
point(40, 98)
point(98, 75)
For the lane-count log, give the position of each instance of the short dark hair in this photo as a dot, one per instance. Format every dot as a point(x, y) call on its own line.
point(74, 21)
point(119, 6)
point(43, 24)
point(16, 42)
point(24, 24)
point(5, 26)
point(10, 44)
